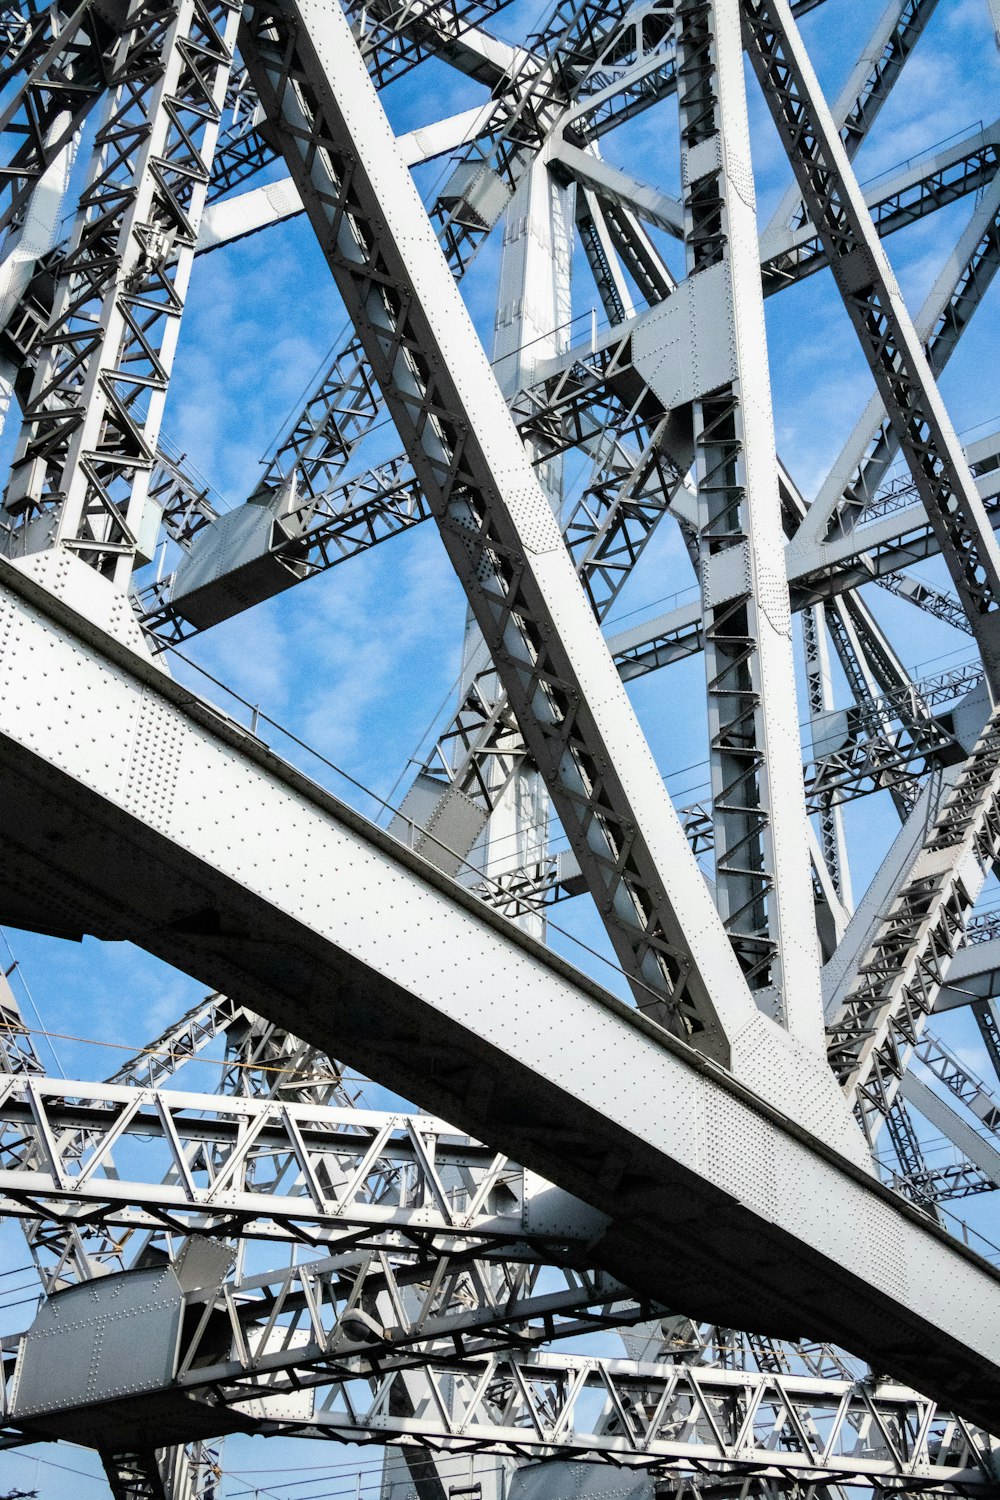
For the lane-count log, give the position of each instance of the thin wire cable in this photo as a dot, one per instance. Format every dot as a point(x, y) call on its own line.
point(216, 1062)
point(16, 967)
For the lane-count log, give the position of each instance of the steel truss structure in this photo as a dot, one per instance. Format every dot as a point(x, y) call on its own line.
point(734, 1172)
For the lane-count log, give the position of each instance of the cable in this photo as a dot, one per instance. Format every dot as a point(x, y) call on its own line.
point(49, 1463)
point(30, 998)
point(216, 1062)
point(458, 1464)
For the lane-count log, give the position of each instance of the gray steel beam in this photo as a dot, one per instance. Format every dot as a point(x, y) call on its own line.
point(242, 214)
point(762, 883)
point(884, 327)
point(882, 1014)
point(816, 571)
point(866, 90)
point(973, 974)
point(131, 821)
point(592, 171)
point(937, 1112)
point(500, 534)
point(726, 1425)
point(81, 472)
point(862, 466)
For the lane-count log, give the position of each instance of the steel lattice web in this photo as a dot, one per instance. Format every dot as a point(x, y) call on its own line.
point(692, 1220)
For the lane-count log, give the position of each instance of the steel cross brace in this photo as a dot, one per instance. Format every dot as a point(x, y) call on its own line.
point(70, 57)
point(373, 506)
point(91, 421)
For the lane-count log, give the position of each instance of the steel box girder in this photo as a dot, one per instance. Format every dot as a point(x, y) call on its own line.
point(133, 811)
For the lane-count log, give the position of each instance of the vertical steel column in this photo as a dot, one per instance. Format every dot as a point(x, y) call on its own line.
point(763, 884)
point(820, 690)
point(32, 237)
point(88, 445)
point(534, 308)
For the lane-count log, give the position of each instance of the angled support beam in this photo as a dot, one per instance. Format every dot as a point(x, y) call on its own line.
point(862, 466)
point(866, 90)
point(937, 1112)
point(598, 247)
point(70, 58)
point(817, 569)
point(257, 208)
point(611, 182)
point(881, 320)
point(502, 538)
point(959, 1080)
point(963, 168)
point(884, 1011)
point(973, 974)
point(24, 245)
point(819, 686)
point(987, 1015)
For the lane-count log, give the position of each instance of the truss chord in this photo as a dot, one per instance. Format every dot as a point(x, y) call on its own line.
point(757, 801)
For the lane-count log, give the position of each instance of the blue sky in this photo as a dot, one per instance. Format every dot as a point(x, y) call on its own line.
point(362, 662)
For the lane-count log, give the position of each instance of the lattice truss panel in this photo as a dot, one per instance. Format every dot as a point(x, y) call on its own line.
point(733, 1151)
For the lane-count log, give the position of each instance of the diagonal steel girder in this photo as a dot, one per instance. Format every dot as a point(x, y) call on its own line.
point(496, 524)
point(128, 817)
point(875, 305)
point(882, 1016)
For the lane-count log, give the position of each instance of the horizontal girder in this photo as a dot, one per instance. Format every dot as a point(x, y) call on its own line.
point(793, 1237)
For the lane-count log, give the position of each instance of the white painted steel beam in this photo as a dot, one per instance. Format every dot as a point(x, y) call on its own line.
point(666, 1418)
point(345, 1168)
point(864, 91)
point(762, 881)
point(652, 205)
point(939, 1113)
point(127, 815)
point(496, 524)
point(245, 213)
point(864, 460)
point(973, 974)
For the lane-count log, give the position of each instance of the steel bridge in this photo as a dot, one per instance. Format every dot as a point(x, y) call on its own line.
point(676, 1222)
